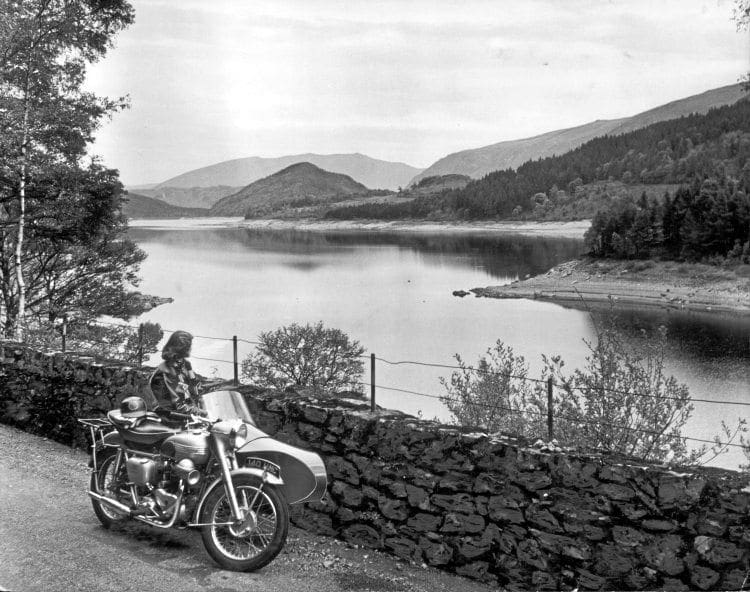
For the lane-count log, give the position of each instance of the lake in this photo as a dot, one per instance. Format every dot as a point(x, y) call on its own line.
point(394, 294)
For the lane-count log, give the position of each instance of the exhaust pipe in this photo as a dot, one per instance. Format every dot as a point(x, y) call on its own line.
point(110, 502)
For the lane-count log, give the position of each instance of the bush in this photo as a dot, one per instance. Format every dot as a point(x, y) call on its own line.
point(306, 355)
point(620, 401)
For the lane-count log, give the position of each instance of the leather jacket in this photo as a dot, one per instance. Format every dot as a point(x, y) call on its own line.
point(175, 387)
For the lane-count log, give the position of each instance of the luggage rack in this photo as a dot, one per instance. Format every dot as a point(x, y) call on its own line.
point(98, 427)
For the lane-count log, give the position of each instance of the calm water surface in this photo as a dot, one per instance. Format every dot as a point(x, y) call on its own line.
point(393, 293)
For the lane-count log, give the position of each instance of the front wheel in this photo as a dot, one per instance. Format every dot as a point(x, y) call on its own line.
point(255, 542)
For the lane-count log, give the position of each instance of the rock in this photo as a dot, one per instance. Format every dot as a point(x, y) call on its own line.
point(589, 581)
point(471, 548)
point(346, 494)
point(717, 552)
point(612, 562)
point(615, 492)
point(393, 509)
point(396, 488)
point(703, 577)
point(674, 584)
point(461, 293)
point(544, 581)
point(361, 534)
point(477, 570)
point(529, 553)
point(404, 548)
point(435, 553)
point(542, 518)
point(659, 525)
point(506, 515)
point(424, 522)
point(339, 468)
point(625, 536)
point(460, 502)
point(663, 554)
point(462, 523)
point(417, 497)
point(533, 481)
point(676, 491)
point(734, 580)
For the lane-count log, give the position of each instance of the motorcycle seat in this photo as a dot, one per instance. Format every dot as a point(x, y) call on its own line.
point(142, 430)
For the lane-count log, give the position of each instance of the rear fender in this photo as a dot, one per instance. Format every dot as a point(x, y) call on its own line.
point(303, 472)
point(112, 439)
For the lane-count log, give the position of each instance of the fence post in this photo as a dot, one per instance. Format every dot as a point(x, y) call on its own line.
point(64, 332)
point(372, 383)
point(140, 345)
point(234, 351)
point(550, 411)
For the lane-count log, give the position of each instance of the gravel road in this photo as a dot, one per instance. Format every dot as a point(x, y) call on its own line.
point(50, 539)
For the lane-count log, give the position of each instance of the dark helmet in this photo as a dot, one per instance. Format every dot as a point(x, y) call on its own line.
point(133, 407)
point(177, 346)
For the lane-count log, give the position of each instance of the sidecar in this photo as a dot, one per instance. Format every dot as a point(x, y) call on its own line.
point(300, 474)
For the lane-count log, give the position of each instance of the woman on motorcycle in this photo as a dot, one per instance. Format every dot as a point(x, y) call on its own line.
point(174, 383)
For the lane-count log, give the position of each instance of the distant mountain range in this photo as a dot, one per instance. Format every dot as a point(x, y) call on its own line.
point(299, 185)
point(511, 154)
point(141, 206)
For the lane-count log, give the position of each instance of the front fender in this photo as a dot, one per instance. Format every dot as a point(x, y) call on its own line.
point(271, 479)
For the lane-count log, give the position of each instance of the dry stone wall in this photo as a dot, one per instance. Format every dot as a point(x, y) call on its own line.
point(487, 508)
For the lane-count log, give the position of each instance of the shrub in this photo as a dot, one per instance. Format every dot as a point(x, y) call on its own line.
point(306, 355)
point(621, 401)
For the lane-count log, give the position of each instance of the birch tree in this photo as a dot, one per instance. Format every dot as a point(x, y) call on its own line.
point(46, 117)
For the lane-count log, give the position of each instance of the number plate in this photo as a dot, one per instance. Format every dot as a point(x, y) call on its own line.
point(264, 465)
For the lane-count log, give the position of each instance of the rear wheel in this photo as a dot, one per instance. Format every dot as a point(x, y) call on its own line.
point(111, 484)
point(255, 542)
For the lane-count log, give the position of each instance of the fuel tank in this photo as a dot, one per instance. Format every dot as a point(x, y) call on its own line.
point(191, 445)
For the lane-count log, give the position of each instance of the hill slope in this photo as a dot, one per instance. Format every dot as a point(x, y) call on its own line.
point(371, 172)
point(298, 185)
point(511, 154)
point(141, 206)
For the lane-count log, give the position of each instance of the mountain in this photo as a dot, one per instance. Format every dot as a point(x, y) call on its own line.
point(511, 154)
point(378, 174)
point(300, 184)
point(190, 197)
point(141, 206)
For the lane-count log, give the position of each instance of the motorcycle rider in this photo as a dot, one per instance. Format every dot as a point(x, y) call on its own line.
point(174, 383)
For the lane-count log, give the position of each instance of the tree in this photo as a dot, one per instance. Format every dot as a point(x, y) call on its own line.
point(46, 121)
point(306, 355)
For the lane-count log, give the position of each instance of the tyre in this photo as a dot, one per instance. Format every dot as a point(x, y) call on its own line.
point(256, 542)
point(109, 484)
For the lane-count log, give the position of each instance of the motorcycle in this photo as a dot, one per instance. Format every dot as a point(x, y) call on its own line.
point(220, 474)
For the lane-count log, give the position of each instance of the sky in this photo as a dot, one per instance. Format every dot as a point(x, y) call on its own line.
point(400, 80)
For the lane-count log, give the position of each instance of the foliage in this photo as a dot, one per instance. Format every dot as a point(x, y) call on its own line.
point(59, 210)
point(674, 152)
point(495, 394)
point(710, 218)
point(621, 401)
point(110, 341)
point(306, 355)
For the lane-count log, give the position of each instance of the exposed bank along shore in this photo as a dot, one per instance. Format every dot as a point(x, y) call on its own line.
point(670, 285)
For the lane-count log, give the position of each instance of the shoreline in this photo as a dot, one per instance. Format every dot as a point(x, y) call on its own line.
point(666, 285)
point(573, 230)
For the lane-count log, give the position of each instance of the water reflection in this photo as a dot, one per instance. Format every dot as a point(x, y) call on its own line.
point(508, 256)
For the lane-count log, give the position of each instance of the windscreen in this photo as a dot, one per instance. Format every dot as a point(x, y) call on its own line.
point(226, 405)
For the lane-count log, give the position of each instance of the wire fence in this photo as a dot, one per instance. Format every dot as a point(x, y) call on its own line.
point(550, 416)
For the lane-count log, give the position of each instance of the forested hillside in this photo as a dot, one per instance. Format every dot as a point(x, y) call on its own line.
point(674, 152)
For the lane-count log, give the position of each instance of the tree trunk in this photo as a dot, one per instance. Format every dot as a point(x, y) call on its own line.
point(19, 323)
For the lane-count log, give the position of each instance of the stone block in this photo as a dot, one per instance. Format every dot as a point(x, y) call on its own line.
point(417, 497)
point(422, 522)
point(435, 553)
point(543, 580)
point(703, 578)
point(611, 562)
point(362, 535)
point(393, 509)
point(529, 553)
point(459, 502)
point(346, 494)
point(626, 536)
point(403, 547)
point(589, 581)
point(663, 553)
point(455, 523)
point(533, 481)
point(341, 469)
point(542, 518)
point(471, 548)
point(717, 552)
point(678, 491)
point(476, 570)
